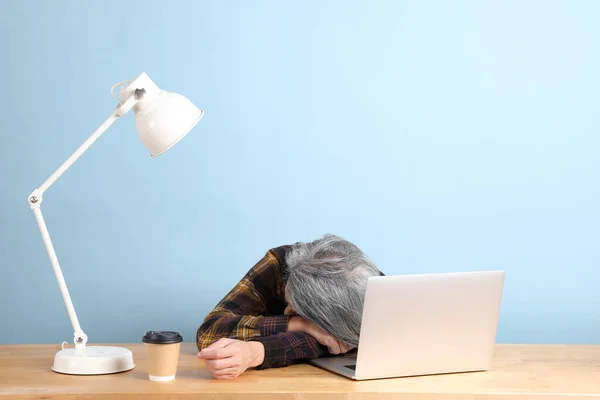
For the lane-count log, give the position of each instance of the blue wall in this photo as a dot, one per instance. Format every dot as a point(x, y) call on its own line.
point(437, 136)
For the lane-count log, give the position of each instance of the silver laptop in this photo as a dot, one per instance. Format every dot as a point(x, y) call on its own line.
point(424, 324)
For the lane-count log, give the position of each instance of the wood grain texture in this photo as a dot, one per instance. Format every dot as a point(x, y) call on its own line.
point(519, 372)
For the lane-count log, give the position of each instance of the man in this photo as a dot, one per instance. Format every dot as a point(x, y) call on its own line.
point(299, 302)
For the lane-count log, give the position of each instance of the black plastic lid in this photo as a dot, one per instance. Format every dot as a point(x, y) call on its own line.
point(162, 337)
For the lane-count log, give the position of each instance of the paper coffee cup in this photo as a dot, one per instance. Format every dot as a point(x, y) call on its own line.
point(162, 354)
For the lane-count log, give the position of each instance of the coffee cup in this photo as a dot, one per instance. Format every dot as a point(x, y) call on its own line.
point(162, 353)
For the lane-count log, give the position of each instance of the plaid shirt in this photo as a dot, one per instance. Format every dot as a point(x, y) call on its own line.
point(253, 310)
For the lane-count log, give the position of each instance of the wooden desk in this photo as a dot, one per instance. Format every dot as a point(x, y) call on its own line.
point(520, 372)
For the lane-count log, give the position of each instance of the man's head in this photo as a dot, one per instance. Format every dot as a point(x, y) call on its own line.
point(326, 282)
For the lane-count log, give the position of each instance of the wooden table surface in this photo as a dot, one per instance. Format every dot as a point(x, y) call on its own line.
point(519, 372)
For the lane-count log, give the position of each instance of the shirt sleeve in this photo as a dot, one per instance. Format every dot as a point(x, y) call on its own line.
point(288, 348)
point(253, 310)
point(241, 314)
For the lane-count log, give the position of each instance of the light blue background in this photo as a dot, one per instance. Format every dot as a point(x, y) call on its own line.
point(436, 135)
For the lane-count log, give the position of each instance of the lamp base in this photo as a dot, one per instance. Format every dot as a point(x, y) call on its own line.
point(93, 360)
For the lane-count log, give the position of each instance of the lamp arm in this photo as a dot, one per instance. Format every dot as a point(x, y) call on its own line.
point(35, 201)
point(119, 111)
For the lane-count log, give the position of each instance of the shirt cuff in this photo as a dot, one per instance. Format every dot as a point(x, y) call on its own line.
point(273, 325)
point(274, 351)
point(289, 348)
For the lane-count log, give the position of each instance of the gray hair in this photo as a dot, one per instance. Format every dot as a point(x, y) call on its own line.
point(326, 283)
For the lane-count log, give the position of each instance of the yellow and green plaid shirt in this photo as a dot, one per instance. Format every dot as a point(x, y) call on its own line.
point(253, 310)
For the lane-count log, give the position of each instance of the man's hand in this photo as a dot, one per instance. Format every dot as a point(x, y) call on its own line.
point(228, 358)
point(299, 324)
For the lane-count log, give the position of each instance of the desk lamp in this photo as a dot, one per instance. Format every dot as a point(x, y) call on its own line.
point(162, 119)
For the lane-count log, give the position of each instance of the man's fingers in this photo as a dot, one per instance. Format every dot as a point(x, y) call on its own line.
point(226, 371)
point(226, 377)
point(215, 353)
point(344, 348)
point(334, 347)
point(220, 343)
point(223, 363)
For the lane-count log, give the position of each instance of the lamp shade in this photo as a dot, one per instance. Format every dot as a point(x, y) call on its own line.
point(162, 118)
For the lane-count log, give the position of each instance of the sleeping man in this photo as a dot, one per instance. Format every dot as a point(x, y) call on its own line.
point(298, 302)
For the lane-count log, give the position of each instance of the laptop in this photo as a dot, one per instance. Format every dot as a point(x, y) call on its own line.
point(423, 325)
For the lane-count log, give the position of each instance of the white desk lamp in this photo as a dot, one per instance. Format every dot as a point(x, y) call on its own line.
point(162, 119)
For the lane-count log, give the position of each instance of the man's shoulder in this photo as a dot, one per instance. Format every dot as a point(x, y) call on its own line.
point(268, 275)
point(272, 263)
point(279, 253)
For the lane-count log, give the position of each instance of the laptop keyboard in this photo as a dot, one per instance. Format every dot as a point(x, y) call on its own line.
point(352, 367)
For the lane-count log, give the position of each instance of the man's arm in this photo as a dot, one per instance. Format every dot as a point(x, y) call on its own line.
point(240, 315)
